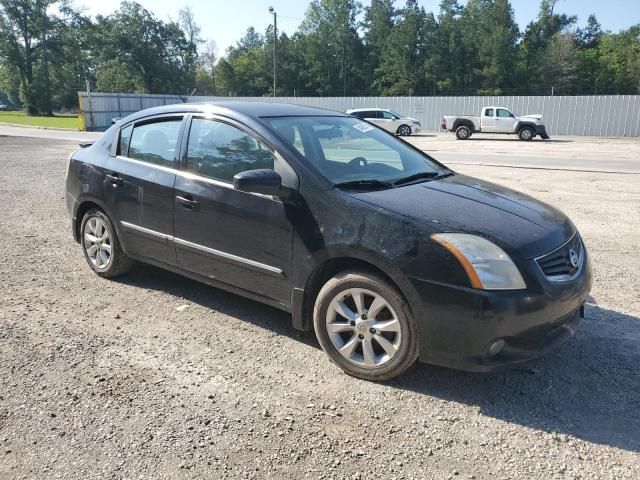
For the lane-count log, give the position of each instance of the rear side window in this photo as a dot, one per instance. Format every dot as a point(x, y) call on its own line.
point(155, 142)
point(488, 112)
point(218, 150)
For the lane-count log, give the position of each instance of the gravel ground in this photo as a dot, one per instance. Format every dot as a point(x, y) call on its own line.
point(156, 376)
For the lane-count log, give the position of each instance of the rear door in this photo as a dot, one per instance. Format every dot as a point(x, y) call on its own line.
point(242, 239)
point(505, 121)
point(138, 186)
point(488, 120)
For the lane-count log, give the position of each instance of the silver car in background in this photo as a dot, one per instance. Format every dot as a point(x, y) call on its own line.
point(387, 119)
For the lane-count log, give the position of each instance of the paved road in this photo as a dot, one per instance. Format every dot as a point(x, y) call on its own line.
point(619, 155)
point(35, 132)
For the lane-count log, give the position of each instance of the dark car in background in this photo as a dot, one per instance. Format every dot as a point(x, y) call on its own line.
point(389, 255)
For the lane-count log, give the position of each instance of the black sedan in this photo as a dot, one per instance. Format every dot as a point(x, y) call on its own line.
point(389, 255)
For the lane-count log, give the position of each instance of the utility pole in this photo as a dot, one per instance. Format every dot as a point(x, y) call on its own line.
point(275, 50)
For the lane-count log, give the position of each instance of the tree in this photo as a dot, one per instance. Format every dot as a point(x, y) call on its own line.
point(589, 36)
point(23, 47)
point(536, 39)
point(497, 52)
point(191, 29)
point(379, 19)
point(402, 56)
point(620, 61)
point(334, 54)
point(137, 51)
point(448, 61)
point(559, 66)
point(205, 74)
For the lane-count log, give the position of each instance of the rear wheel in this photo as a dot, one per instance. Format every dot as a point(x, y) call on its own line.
point(364, 326)
point(526, 134)
point(463, 132)
point(404, 130)
point(101, 246)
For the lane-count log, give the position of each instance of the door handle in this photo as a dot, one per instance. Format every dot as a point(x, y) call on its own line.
point(187, 202)
point(115, 179)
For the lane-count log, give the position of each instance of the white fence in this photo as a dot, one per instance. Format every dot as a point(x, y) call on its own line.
point(597, 115)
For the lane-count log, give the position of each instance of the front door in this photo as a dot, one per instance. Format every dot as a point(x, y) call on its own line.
point(505, 121)
point(138, 186)
point(389, 121)
point(242, 239)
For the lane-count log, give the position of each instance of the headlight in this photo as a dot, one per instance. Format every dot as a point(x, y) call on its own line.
point(486, 264)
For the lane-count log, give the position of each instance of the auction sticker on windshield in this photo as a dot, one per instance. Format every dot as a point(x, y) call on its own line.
point(363, 127)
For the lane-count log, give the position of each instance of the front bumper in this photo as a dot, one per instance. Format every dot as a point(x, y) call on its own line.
point(541, 130)
point(458, 325)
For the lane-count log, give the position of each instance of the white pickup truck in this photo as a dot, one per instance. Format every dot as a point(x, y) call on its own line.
point(495, 120)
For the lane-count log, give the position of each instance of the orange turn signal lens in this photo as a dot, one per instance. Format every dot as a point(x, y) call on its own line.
point(468, 268)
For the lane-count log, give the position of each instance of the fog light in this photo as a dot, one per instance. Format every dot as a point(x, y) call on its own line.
point(496, 347)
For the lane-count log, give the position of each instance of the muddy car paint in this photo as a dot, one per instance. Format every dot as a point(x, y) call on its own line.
point(388, 230)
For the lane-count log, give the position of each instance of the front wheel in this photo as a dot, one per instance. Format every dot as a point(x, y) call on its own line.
point(365, 327)
point(463, 132)
point(101, 246)
point(526, 134)
point(404, 130)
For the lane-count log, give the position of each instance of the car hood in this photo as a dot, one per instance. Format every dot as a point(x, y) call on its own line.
point(410, 119)
point(534, 117)
point(522, 226)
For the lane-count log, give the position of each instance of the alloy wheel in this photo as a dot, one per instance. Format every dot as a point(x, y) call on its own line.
point(97, 243)
point(363, 327)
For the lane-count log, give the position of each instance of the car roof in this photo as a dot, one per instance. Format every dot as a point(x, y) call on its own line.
point(254, 110)
point(368, 109)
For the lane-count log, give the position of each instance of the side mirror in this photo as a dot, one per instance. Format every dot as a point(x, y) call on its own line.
point(264, 181)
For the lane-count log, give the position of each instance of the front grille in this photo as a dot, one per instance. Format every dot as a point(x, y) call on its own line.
point(558, 266)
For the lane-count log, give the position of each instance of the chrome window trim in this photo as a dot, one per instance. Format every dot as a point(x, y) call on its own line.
point(148, 164)
point(202, 248)
point(193, 176)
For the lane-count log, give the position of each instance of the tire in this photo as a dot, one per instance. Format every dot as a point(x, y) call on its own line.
point(526, 134)
point(404, 130)
point(101, 247)
point(463, 132)
point(391, 351)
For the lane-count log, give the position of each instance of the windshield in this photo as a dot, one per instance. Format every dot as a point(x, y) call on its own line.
point(346, 149)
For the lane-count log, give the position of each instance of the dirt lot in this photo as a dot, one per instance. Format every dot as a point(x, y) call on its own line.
point(117, 379)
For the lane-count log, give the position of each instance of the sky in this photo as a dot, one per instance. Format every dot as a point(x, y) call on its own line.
point(225, 21)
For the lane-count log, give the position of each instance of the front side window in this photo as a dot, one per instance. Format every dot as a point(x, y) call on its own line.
point(125, 138)
point(346, 149)
point(155, 142)
point(388, 116)
point(502, 113)
point(218, 150)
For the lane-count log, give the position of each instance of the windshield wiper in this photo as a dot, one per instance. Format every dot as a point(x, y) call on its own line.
point(419, 175)
point(365, 183)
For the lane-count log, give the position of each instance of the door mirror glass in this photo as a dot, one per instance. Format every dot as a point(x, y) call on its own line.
point(264, 181)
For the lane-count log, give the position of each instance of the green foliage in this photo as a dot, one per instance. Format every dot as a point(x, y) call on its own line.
point(49, 51)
